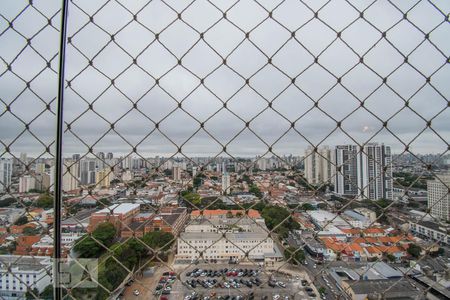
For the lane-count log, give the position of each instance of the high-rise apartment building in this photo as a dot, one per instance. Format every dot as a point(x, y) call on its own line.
point(40, 168)
point(345, 182)
point(70, 181)
point(87, 171)
point(26, 183)
point(439, 197)
point(103, 178)
point(5, 173)
point(319, 165)
point(375, 172)
point(176, 173)
point(366, 174)
point(42, 181)
point(226, 182)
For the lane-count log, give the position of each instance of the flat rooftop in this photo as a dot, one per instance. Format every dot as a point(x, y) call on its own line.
point(121, 208)
point(24, 263)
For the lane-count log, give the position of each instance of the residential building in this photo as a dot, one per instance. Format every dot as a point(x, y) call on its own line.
point(369, 214)
point(439, 197)
point(42, 181)
point(346, 174)
point(5, 174)
point(374, 165)
point(87, 168)
point(26, 183)
point(432, 231)
point(103, 178)
point(18, 273)
point(366, 173)
point(225, 183)
point(40, 168)
point(318, 165)
point(127, 176)
point(70, 179)
point(176, 173)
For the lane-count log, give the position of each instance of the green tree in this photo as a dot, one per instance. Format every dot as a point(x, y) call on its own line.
point(279, 217)
point(32, 294)
point(22, 220)
point(414, 250)
point(294, 255)
point(47, 293)
point(31, 231)
point(192, 198)
point(158, 240)
point(7, 202)
point(114, 181)
point(383, 203)
point(103, 202)
point(322, 290)
point(255, 191)
point(390, 257)
point(102, 236)
point(130, 253)
point(197, 181)
point(307, 206)
point(44, 201)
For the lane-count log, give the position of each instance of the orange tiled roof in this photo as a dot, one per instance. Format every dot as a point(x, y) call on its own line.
point(354, 247)
point(373, 250)
point(351, 230)
point(374, 230)
point(27, 240)
point(394, 249)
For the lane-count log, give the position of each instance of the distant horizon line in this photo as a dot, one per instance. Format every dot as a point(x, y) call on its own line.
point(178, 156)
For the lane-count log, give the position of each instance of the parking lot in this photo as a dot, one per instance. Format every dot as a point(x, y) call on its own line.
point(235, 282)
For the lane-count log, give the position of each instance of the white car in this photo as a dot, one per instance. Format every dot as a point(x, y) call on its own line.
point(276, 297)
point(136, 293)
point(281, 284)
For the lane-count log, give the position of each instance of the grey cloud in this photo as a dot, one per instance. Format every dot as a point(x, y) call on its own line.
point(227, 82)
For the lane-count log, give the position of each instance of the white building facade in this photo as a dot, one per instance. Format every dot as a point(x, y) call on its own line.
point(227, 239)
point(318, 165)
point(439, 197)
point(25, 271)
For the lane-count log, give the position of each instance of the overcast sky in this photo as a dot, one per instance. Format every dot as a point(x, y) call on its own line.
point(291, 55)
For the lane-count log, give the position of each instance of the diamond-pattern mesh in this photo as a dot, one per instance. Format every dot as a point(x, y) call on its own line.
point(232, 105)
